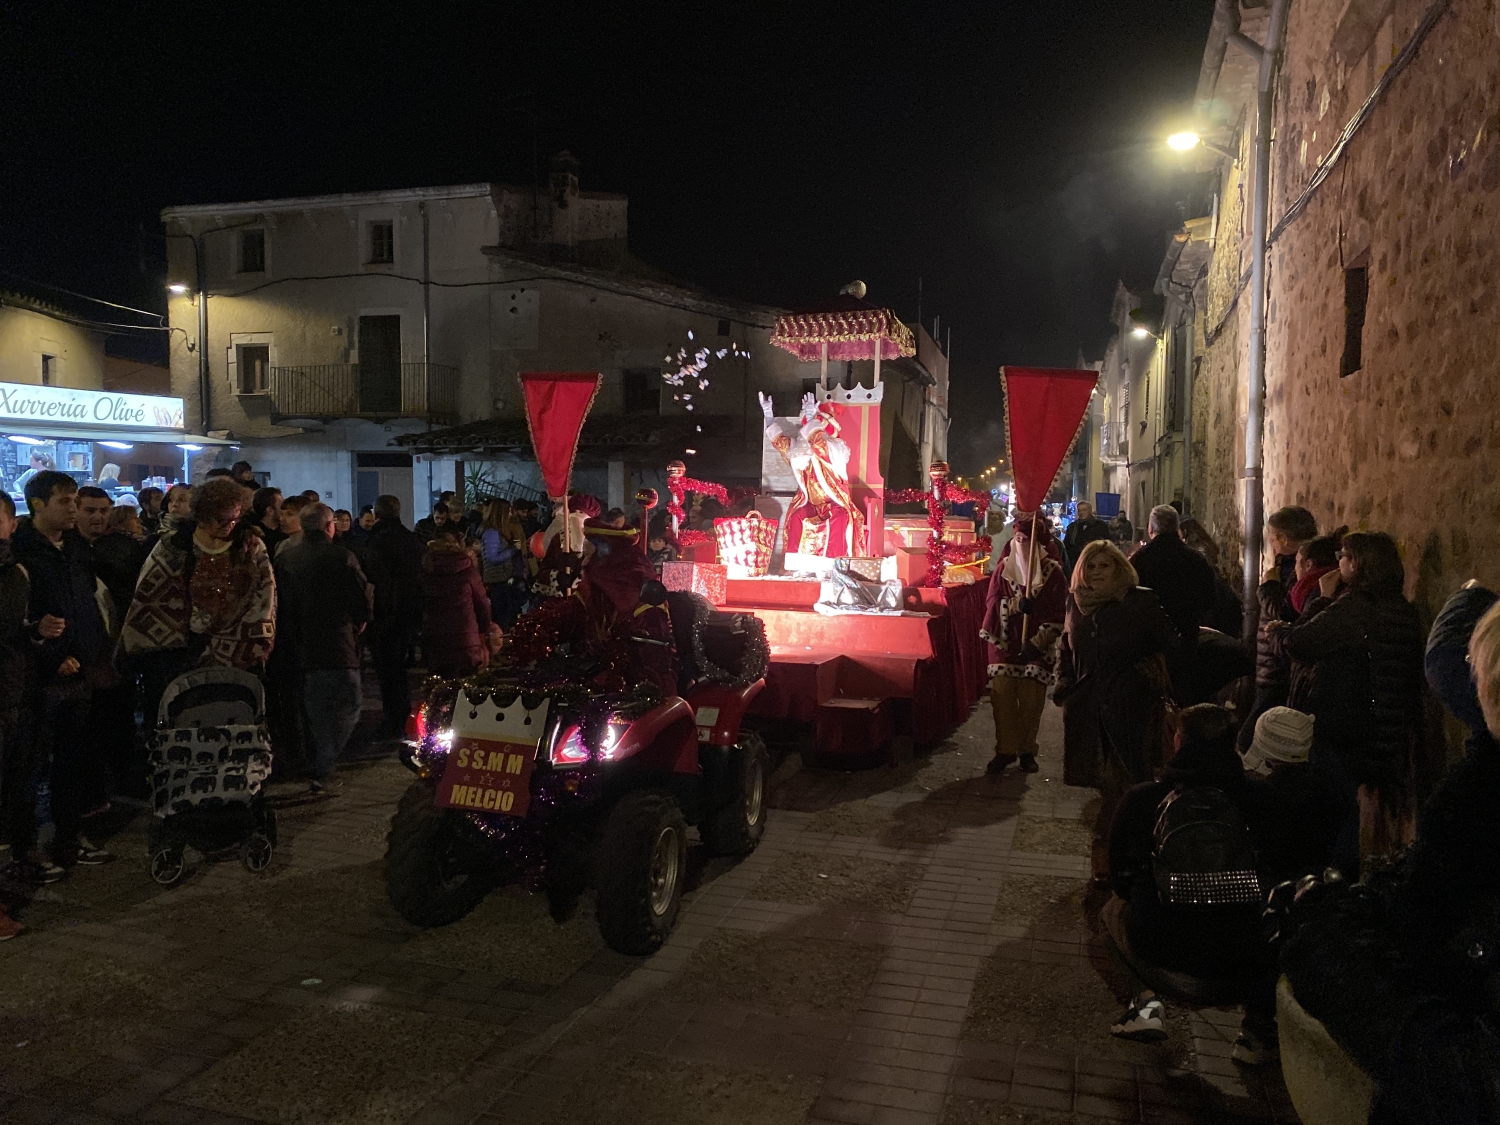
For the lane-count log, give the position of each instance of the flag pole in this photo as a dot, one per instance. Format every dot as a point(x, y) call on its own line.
point(1030, 558)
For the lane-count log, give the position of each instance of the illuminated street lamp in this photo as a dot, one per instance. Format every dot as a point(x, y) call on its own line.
point(177, 288)
point(1187, 140)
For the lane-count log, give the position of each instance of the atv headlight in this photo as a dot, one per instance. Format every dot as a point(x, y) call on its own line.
point(569, 749)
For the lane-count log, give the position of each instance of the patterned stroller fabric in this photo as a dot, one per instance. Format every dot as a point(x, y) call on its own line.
point(207, 766)
point(211, 747)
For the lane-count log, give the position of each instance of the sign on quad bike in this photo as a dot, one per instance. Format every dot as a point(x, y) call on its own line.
point(491, 758)
point(560, 788)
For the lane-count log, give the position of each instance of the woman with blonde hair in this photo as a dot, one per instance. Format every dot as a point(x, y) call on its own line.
point(1112, 682)
point(504, 564)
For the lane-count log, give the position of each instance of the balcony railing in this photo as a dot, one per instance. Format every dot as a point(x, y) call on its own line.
point(358, 390)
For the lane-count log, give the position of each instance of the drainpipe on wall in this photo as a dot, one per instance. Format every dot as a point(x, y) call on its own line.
point(1255, 417)
point(426, 335)
point(200, 261)
point(426, 290)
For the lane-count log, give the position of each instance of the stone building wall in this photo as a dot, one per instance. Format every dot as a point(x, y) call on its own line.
point(1222, 329)
point(1409, 442)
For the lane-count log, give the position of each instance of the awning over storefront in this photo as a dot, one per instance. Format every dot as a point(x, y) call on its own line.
point(108, 433)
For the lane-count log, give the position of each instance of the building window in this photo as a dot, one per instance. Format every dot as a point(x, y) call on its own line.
point(252, 251)
point(254, 368)
point(382, 243)
point(49, 370)
point(723, 328)
point(1356, 299)
point(642, 390)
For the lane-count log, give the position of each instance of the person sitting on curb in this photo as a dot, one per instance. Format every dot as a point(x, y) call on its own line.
point(1204, 822)
point(1307, 804)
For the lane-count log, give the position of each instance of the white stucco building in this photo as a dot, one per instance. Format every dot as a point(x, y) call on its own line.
point(342, 329)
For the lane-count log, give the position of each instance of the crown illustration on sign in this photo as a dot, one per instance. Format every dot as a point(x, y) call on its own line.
point(496, 721)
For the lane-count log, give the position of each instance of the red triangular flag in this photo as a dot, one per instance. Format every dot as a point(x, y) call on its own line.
point(1044, 412)
point(557, 402)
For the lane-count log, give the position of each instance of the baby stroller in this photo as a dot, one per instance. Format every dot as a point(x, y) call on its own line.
point(209, 758)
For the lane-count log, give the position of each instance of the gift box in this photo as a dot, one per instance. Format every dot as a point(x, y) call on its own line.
point(922, 536)
point(867, 568)
point(708, 579)
point(745, 544)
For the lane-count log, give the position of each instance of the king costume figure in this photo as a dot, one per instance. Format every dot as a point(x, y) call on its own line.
point(823, 519)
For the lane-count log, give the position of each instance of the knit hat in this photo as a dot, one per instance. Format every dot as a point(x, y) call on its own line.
point(1281, 735)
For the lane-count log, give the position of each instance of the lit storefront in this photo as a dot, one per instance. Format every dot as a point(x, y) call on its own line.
point(120, 441)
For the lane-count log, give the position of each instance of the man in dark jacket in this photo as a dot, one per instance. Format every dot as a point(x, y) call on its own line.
point(117, 560)
point(327, 603)
point(1184, 582)
point(18, 759)
point(117, 557)
point(265, 517)
point(1081, 532)
point(71, 663)
point(395, 554)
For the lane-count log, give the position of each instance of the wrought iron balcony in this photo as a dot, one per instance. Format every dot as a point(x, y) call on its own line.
point(357, 390)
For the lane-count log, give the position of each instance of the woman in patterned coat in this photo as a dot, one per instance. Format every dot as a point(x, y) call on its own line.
point(207, 595)
point(1022, 622)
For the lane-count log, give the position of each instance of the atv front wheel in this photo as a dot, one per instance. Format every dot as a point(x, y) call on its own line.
point(431, 874)
point(737, 828)
point(642, 861)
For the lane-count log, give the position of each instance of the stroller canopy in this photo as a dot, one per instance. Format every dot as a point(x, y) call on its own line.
point(217, 696)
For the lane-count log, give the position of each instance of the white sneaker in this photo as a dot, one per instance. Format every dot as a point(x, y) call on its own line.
point(1144, 1021)
point(1251, 1050)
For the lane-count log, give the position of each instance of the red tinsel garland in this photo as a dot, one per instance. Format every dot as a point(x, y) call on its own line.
point(679, 487)
point(937, 499)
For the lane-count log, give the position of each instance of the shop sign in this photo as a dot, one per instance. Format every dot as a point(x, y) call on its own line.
point(21, 403)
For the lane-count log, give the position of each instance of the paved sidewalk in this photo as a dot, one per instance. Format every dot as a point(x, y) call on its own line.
point(908, 945)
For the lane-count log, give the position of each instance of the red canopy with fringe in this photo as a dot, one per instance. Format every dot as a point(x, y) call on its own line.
point(852, 328)
point(1045, 408)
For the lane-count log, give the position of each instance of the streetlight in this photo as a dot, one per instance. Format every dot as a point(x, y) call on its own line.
point(1187, 140)
point(200, 264)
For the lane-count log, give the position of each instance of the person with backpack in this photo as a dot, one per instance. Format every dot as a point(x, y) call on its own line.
point(1184, 858)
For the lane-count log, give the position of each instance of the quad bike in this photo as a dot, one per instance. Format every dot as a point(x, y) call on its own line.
point(562, 791)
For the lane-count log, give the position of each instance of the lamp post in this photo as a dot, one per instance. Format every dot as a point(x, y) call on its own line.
point(200, 271)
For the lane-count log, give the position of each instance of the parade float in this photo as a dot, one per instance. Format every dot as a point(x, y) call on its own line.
point(865, 612)
point(871, 617)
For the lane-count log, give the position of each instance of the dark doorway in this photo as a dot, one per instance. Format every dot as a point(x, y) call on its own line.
point(380, 365)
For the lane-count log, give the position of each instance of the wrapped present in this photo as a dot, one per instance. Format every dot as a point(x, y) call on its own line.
point(745, 544)
point(866, 568)
point(708, 579)
point(912, 536)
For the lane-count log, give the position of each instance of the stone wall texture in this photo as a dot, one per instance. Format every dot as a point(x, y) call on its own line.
point(1409, 443)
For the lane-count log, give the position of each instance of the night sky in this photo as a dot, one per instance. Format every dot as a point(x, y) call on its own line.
point(1005, 153)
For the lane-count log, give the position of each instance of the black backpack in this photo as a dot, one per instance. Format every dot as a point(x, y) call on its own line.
point(1204, 858)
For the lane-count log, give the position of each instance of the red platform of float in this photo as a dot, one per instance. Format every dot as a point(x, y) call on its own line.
point(861, 678)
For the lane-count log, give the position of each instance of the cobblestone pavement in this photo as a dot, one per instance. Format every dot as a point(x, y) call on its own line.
point(913, 944)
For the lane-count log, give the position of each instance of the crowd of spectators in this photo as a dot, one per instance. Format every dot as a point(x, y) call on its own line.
point(103, 604)
point(1385, 912)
